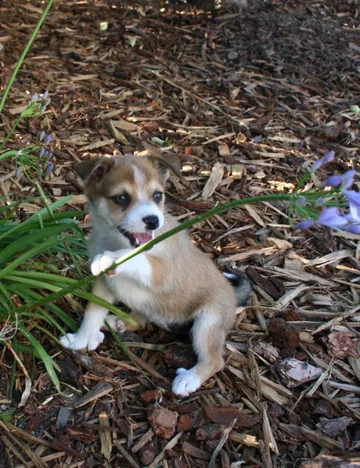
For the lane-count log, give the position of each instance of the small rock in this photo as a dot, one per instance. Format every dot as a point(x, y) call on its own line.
point(56, 192)
point(333, 427)
point(163, 421)
point(283, 334)
point(294, 373)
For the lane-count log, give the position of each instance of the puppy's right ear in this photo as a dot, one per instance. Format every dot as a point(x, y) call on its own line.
point(93, 170)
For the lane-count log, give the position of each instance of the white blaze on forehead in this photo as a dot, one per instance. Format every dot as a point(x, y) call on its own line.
point(140, 182)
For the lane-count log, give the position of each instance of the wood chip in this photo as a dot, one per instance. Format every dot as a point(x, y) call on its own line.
point(100, 389)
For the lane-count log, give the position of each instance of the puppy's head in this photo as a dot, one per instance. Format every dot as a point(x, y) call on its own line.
point(127, 193)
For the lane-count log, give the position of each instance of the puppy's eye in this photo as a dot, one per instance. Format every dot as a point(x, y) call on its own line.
point(122, 199)
point(157, 197)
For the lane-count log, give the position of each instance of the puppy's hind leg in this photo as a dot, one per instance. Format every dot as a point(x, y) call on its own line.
point(89, 335)
point(208, 337)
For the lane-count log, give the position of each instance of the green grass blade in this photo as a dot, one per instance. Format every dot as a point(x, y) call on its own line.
point(43, 355)
point(27, 255)
point(22, 242)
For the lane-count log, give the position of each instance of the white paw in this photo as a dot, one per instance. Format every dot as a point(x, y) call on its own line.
point(76, 341)
point(102, 262)
point(186, 382)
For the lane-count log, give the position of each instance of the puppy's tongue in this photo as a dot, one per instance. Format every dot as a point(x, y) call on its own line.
point(140, 238)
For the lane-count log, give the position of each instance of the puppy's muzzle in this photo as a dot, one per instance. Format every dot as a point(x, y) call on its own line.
point(152, 222)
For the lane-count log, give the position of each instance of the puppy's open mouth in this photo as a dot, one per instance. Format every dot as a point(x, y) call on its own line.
point(137, 238)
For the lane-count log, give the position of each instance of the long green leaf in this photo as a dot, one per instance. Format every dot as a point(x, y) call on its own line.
point(29, 254)
point(43, 355)
point(24, 241)
point(41, 214)
point(30, 295)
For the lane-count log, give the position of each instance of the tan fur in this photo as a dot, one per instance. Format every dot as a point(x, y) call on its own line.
point(175, 283)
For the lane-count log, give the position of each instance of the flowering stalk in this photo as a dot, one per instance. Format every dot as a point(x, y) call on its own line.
point(23, 55)
point(36, 107)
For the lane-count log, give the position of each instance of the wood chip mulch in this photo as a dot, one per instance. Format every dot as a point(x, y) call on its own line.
point(248, 100)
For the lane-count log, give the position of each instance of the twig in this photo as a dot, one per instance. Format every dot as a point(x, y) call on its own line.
point(221, 443)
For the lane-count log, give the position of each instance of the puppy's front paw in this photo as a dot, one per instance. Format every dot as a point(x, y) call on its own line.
point(76, 341)
point(186, 382)
point(102, 262)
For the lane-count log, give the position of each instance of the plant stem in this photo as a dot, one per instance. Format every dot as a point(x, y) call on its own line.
point(18, 120)
point(23, 55)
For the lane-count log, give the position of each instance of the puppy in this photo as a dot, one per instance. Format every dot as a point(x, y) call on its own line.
point(172, 284)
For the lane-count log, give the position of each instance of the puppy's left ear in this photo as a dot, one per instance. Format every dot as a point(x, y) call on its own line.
point(167, 163)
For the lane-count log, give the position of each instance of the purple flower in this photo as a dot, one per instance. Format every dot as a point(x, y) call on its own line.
point(331, 217)
point(47, 140)
point(42, 152)
point(305, 224)
point(43, 109)
point(34, 97)
point(353, 228)
point(320, 201)
point(354, 203)
point(301, 201)
point(49, 167)
point(332, 181)
point(348, 179)
point(324, 160)
point(42, 136)
point(46, 94)
point(18, 172)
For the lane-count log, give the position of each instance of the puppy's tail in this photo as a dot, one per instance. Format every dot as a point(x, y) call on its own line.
point(241, 285)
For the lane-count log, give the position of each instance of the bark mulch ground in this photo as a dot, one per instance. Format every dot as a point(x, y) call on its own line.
point(248, 100)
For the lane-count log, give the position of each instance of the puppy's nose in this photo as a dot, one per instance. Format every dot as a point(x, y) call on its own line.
point(152, 222)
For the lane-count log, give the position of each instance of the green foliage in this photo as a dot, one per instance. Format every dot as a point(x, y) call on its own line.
point(34, 260)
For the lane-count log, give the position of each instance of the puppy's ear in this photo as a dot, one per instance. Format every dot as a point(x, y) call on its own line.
point(167, 163)
point(93, 170)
